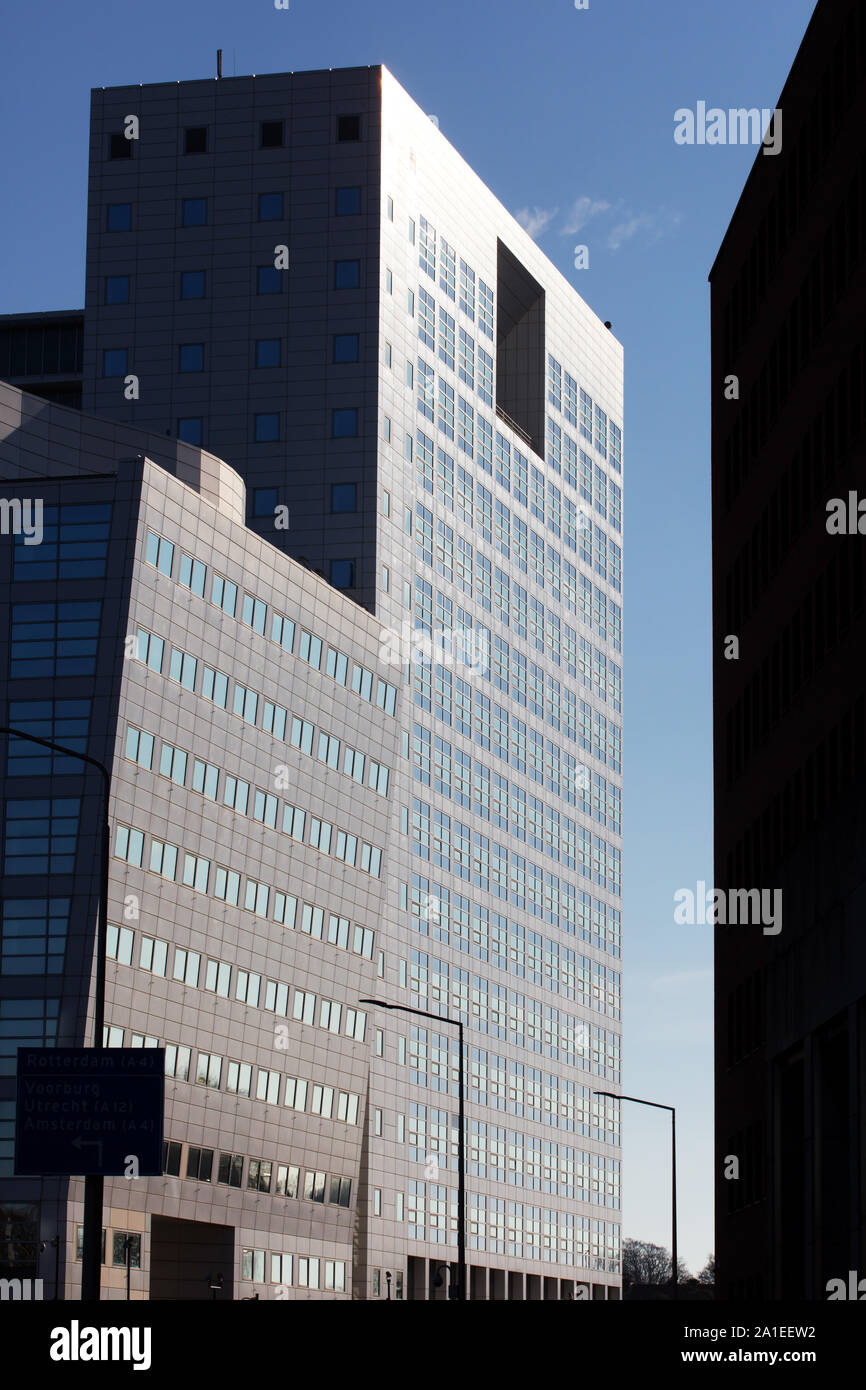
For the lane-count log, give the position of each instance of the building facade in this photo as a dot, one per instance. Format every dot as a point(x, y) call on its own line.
point(299, 274)
point(789, 383)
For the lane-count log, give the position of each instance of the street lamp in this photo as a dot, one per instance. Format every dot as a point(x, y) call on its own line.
point(93, 1183)
point(458, 1291)
point(675, 1274)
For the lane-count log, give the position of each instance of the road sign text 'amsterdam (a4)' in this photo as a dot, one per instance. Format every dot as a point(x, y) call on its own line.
point(90, 1110)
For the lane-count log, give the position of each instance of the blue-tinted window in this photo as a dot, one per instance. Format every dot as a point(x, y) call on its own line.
point(347, 275)
point(114, 361)
point(74, 544)
point(117, 289)
point(189, 429)
point(41, 835)
point(343, 574)
point(269, 280)
point(192, 284)
point(347, 201)
point(194, 212)
point(344, 423)
point(267, 428)
point(191, 357)
point(61, 721)
point(268, 352)
point(264, 501)
point(25, 1023)
point(119, 217)
point(270, 207)
point(33, 936)
point(344, 497)
point(345, 347)
point(54, 639)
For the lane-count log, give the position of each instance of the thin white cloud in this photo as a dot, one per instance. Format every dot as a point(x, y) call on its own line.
point(582, 211)
point(652, 224)
point(536, 221)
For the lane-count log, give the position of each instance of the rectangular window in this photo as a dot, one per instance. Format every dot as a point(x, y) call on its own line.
point(182, 668)
point(192, 575)
point(230, 1170)
point(42, 835)
point(246, 703)
point(55, 639)
point(467, 290)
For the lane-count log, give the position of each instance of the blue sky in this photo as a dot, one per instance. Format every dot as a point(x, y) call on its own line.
point(568, 116)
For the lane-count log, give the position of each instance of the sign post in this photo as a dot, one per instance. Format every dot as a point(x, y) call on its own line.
point(90, 1111)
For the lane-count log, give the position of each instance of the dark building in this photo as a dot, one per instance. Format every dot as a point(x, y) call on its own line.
point(42, 354)
point(789, 322)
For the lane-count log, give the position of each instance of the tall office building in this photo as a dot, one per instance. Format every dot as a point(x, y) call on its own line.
point(298, 274)
point(788, 311)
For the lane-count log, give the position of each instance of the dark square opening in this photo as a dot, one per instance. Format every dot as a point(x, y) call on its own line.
point(271, 135)
point(348, 127)
point(195, 139)
point(118, 146)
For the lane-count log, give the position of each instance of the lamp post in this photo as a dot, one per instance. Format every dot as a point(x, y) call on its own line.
point(458, 1291)
point(675, 1274)
point(93, 1184)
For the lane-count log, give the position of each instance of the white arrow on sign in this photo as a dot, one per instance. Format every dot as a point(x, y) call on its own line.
point(79, 1143)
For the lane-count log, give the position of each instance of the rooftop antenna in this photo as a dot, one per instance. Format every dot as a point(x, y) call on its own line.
point(219, 62)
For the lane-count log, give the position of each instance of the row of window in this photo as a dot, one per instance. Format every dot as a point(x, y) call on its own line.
point(23, 1023)
point(453, 845)
point(475, 435)
point(471, 713)
point(267, 352)
point(225, 884)
point(140, 747)
point(253, 613)
point(193, 212)
point(512, 1087)
point(562, 580)
point(488, 936)
point(468, 301)
point(438, 638)
point(509, 1014)
point(577, 407)
point(458, 351)
point(482, 932)
point(74, 544)
point(33, 934)
point(504, 1155)
point(545, 501)
point(41, 835)
point(436, 764)
point(217, 1073)
point(528, 1232)
point(248, 703)
point(125, 1245)
point(199, 139)
point(263, 1175)
point(303, 1271)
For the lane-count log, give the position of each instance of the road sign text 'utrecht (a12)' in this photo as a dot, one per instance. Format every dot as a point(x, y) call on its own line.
point(89, 1111)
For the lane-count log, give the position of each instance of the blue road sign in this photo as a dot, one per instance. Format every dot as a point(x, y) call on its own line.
point(89, 1111)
